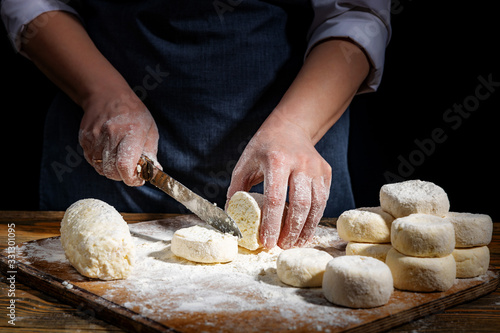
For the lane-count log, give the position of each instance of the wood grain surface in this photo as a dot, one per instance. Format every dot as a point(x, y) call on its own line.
point(37, 311)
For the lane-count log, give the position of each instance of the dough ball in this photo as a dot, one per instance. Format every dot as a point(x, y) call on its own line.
point(412, 197)
point(245, 209)
point(472, 262)
point(423, 235)
point(97, 240)
point(471, 230)
point(302, 267)
point(357, 282)
point(421, 274)
point(377, 251)
point(368, 225)
point(204, 244)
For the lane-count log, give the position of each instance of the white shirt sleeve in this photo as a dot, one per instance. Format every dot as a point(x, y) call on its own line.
point(16, 14)
point(365, 22)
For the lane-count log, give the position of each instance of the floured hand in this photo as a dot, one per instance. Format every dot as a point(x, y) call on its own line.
point(283, 156)
point(115, 130)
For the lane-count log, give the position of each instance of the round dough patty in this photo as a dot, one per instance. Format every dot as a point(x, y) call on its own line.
point(423, 235)
point(302, 267)
point(377, 251)
point(471, 230)
point(421, 274)
point(412, 197)
point(366, 225)
point(472, 262)
point(204, 244)
point(357, 282)
point(97, 241)
point(245, 209)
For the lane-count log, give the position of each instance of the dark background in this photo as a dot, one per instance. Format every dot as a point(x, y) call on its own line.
point(433, 64)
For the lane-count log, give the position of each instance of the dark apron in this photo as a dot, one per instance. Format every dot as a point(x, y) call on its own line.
point(210, 72)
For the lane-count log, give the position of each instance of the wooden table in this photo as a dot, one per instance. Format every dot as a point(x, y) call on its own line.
point(41, 312)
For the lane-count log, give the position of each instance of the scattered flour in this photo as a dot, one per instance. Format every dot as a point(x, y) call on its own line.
point(172, 290)
point(248, 283)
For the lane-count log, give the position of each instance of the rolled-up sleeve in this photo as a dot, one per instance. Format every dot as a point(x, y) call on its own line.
point(16, 14)
point(366, 23)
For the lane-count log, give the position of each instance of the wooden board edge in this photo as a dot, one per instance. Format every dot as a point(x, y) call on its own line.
point(429, 308)
point(75, 296)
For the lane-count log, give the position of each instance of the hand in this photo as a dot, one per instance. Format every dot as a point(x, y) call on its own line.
point(114, 132)
point(282, 155)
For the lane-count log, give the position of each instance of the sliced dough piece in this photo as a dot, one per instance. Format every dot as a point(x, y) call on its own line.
point(377, 251)
point(412, 197)
point(471, 230)
point(302, 267)
point(245, 209)
point(366, 225)
point(357, 282)
point(423, 235)
point(472, 262)
point(421, 274)
point(204, 244)
point(96, 240)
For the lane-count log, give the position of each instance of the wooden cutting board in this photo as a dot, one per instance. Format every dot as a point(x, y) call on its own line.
point(166, 293)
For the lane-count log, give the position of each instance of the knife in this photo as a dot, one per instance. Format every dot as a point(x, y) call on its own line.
point(203, 208)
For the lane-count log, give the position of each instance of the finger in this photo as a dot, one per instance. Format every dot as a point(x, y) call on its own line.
point(128, 154)
point(151, 145)
point(320, 194)
point(91, 155)
point(298, 209)
point(109, 153)
point(244, 176)
point(275, 186)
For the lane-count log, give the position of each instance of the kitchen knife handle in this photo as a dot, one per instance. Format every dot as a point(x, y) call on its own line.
point(145, 168)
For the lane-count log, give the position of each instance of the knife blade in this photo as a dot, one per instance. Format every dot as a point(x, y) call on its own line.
point(204, 209)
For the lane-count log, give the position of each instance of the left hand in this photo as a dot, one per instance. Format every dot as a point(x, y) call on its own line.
point(283, 156)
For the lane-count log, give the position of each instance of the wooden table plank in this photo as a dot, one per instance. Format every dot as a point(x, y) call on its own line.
point(41, 312)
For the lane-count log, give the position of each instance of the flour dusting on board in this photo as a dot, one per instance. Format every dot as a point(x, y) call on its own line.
point(171, 290)
point(249, 283)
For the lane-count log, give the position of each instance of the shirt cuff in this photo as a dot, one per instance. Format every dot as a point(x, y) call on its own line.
point(366, 30)
point(16, 14)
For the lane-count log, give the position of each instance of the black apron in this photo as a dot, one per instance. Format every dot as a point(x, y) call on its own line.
point(210, 72)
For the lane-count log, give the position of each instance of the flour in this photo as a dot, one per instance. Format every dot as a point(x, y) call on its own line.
point(248, 283)
point(164, 287)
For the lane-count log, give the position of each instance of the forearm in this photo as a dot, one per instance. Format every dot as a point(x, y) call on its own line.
point(116, 127)
point(63, 51)
point(323, 89)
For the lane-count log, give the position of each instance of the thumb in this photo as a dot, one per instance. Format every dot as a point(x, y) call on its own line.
point(242, 179)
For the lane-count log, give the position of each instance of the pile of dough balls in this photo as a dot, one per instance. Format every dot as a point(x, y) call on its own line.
point(361, 279)
point(412, 231)
point(367, 231)
point(97, 241)
point(473, 233)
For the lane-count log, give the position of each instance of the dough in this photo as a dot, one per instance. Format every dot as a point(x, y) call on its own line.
point(472, 262)
point(471, 230)
point(204, 244)
point(423, 235)
point(368, 225)
point(245, 209)
point(97, 240)
point(377, 251)
point(302, 267)
point(414, 196)
point(357, 282)
point(421, 274)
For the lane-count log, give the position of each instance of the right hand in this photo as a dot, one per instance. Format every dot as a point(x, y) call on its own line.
point(115, 130)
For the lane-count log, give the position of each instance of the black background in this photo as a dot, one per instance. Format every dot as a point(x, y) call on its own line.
point(433, 64)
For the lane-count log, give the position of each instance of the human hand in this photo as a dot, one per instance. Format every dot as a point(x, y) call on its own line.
point(115, 130)
point(282, 155)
